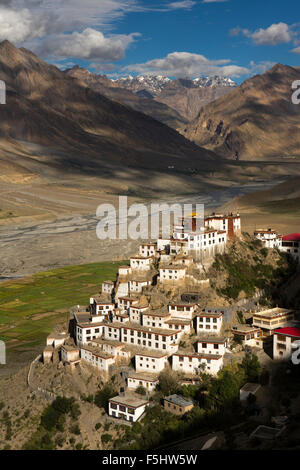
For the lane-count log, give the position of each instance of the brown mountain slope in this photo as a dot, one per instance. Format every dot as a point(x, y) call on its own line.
point(187, 100)
point(111, 90)
point(256, 121)
point(47, 107)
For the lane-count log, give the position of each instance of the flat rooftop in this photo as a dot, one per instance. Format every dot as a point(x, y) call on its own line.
point(250, 387)
point(211, 339)
point(97, 351)
point(179, 400)
point(273, 312)
point(143, 376)
point(265, 432)
point(130, 399)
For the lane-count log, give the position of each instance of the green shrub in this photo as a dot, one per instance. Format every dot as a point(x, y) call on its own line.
point(103, 396)
point(141, 390)
point(105, 438)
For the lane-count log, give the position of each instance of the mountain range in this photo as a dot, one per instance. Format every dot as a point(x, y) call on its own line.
point(173, 102)
point(79, 121)
point(255, 121)
point(50, 108)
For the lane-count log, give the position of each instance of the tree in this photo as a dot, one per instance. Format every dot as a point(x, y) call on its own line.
point(168, 382)
point(252, 367)
point(224, 389)
point(141, 390)
point(102, 397)
point(105, 438)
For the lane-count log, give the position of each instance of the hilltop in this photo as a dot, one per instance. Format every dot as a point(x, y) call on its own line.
point(256, 121)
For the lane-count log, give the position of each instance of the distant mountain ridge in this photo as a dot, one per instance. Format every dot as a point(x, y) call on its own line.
point(255, 121)
point(173, 102)
point(85, 130)
point(155, 84)
point(141, 101)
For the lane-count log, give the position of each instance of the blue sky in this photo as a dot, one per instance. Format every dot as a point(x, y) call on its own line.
point(235, 38)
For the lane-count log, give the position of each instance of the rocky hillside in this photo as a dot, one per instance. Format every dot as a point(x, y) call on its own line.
point(49, 108)
point(247, 267)
point(183, 95)
point(255, 121)
point(188, 96)
point(141, 101)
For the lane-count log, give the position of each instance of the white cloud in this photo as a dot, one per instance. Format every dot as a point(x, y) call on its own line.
point(296, 50)
point(19, 25)
point(185, 5)
point(90, 44)
point(186, 64)
point(275, 34)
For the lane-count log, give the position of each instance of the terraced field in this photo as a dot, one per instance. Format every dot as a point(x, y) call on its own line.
point(31, 306)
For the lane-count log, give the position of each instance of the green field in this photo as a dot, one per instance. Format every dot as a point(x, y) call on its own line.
point(30, 307)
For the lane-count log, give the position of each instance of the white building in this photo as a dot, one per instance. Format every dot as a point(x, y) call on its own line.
point(141, 263)
point(249, 335)
point(179, 324)
point(269, 238)
point(70, 354)
point(136, 313)
point(155, 318)
point(230, 223)
point(172, 273)
point(85, 329)
point(139, 379)
point(112, 331)
point(285, 342)
point(195, 363)
point(208, 322)
point(107, 287)
point(273, 318)
point(148, 249)
point(291, 245)
point(163, 244)
point(124, 270)
point(128, 406)
point(150, 338)
point(120, 316)
point(56, 339)
point(182, 310)
point(150, 361)
point(101, 308)
point(124, 303)
point(211, 345)
point(138, 285)
point(113, 348)
point(96, 357)
point(190, 235)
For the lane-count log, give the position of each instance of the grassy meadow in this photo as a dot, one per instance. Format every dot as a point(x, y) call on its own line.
point(30, 307)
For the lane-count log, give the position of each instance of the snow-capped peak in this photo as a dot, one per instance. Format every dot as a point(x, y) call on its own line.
point(154, 84)
point(215, 80)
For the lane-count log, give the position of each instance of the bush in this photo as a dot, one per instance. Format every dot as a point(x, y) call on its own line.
point(168, 382)
point(141, 390)
point(105, 438)
point(251, 367)
point(98, 426)
point(102, 397)
point(75, 429)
